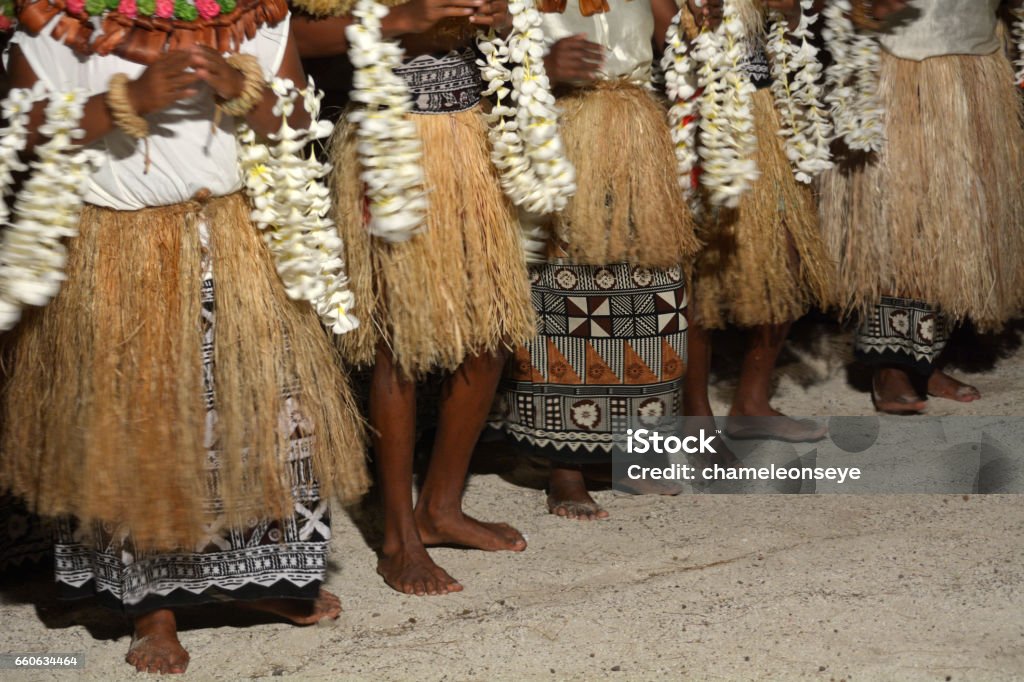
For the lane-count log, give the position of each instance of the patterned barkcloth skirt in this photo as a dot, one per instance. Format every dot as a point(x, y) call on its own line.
point(185, 453)
point(938, 214)
point(902, 332)
point(611, 345)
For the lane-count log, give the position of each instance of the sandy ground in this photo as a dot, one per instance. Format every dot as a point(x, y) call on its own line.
point(694, 587)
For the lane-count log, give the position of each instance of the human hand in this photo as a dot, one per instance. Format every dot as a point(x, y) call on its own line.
point(574, 59)
point(163, 83)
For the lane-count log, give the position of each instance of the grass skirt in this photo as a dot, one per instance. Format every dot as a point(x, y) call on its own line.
point(764, 262)
point(938, 215)
point(629, 207)
point(105, 416)
point(459, 288)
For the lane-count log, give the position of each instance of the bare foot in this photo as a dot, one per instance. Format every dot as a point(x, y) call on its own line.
point(769, 424)
point(941, 385)
point(456, 528)
point(410, 570)
point(300, 611)
point(155, 647)
point(893, 393)
point(569, 498)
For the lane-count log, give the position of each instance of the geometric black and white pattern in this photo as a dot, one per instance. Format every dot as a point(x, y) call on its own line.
point(444, 84)
point(903, 332)
point(611, 345)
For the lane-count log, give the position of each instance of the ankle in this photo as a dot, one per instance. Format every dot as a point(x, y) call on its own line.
point(160, 618)
point(430, 507)
point(750, 405)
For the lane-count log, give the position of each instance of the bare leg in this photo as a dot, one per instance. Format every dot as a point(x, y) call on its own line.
point(696, 401)
point(753, 395)
point(155, 647)
point(404, 563)
point(465, 403)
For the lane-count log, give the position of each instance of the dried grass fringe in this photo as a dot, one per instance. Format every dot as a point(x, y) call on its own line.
point(765, 262)
point(103, 409)
point(458, 289)
point(939, 214)
point(628, 206)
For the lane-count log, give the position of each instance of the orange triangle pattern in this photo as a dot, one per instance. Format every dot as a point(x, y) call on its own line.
point(637, 371)
point(521, 368)
point(672, 366)
point(559, 369)
point(598, 371)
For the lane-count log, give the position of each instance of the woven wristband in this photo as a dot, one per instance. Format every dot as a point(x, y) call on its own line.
point(120, 105)
point(252, 89)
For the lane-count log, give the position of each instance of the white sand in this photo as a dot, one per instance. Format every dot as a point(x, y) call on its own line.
point(693, 587)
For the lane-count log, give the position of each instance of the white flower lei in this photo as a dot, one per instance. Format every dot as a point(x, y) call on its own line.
point(389, 148)
point(292, 206)
point(13, 138)
point(682, 93)
point(727, 141)
point(851, 81)
point(798, 94)
point(1017, 30)
point(49, 206)
point(526, 146)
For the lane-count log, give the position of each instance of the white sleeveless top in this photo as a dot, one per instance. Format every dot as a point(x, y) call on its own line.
point(934, 28)
point(186, 154)
point(626, 32)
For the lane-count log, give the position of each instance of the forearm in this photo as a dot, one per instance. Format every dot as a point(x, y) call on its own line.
point(321, 37)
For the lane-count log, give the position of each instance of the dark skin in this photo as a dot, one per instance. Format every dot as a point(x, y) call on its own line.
point(174, 77)
point(437, 517)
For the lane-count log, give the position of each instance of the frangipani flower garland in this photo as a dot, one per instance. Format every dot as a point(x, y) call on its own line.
point(682, 115)
point(389, 149)
point(797, 91)
point(292, 206)
point(851, 81)
point(49, 206)
point(13, 138)
point(526, 146)
point(727, 142)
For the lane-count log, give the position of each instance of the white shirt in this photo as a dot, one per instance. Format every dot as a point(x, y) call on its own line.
point(186, 154)
point(934, 28)
point(626, 32)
